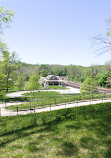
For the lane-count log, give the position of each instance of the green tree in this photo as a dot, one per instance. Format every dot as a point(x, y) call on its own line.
point(88, 86)
point(1, 83)
point(8, 66)
point(55, 71)
point(103, 80)
point(5, 18)
point(33, 83)
point(20, 81)
point(109, 81)
point(44, 69)
point(42, 73)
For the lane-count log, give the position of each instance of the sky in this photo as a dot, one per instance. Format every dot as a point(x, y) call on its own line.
point(57, 31)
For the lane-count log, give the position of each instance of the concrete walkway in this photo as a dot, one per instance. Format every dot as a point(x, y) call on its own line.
point(4, 112)
point(66, 91)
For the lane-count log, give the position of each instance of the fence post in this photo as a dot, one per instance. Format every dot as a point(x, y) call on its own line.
point(5, 102)
point(102, 99)
point(92, 96)
point(0, 112)
point(17, 110)
point(65, 104)
point(34, 108)
point(77, 102)
point(30, 105)
point(90, 100)
point(42, 101)
point(55, 101)
point(50, 107)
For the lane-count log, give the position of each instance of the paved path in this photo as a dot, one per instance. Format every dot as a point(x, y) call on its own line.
point(4, 112)
point(66, 91)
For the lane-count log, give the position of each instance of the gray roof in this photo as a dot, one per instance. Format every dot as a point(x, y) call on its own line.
point(52, 77)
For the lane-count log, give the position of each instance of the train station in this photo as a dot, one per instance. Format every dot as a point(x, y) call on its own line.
point(51, 80)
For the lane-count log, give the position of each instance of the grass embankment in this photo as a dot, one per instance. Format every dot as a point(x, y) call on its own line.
point(56, 87)
point(46, 99)
point(77, 132)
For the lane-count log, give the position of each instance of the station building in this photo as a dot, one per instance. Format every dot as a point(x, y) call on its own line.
point(51, 80)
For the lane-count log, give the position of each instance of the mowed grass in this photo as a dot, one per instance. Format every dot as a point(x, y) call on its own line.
point(48, 98)
point(57, 87)
point(79, 132)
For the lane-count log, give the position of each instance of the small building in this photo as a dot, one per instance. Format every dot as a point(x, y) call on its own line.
point(51, 80)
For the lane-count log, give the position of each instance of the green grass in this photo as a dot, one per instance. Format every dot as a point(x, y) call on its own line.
point(3, 97)
point(80, 132)
point(56, 87)
point(47, 98)
point(16, 88)
point(45, 94)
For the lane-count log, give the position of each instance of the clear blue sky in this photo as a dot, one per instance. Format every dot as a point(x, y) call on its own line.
point(57, 31)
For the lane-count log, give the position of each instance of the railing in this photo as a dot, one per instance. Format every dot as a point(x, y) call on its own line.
point(50, 104)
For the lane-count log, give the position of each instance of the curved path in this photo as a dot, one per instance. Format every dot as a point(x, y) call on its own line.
point(66, 91)
point(5, 112)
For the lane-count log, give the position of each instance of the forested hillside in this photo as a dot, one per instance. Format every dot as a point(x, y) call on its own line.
point(100, 73)
point(15, 74)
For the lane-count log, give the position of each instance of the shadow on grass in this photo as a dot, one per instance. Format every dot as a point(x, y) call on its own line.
point(68, 149)
point(34, 127)
point(15, 99)
point(89, 143)
point(93, 120)
point(96, 120)
point(33, 147)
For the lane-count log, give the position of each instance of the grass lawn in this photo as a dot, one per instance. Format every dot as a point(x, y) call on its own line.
point(56, 87)
point(47, 98)
point(16, 88)
point(79, 132)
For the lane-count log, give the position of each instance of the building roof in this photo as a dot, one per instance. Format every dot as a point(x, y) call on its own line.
point(52, 77)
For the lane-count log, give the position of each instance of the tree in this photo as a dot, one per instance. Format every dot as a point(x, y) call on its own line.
point(9, 61)
point(42, 73)
point(103, 42)
point(33, 83)
point(1, 83)
point(44, 68)
point(20, 81)
point(5, 18)
point(88, 86)
point(103, 80)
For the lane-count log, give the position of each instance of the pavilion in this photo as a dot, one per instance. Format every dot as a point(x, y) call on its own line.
point(51, 80)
